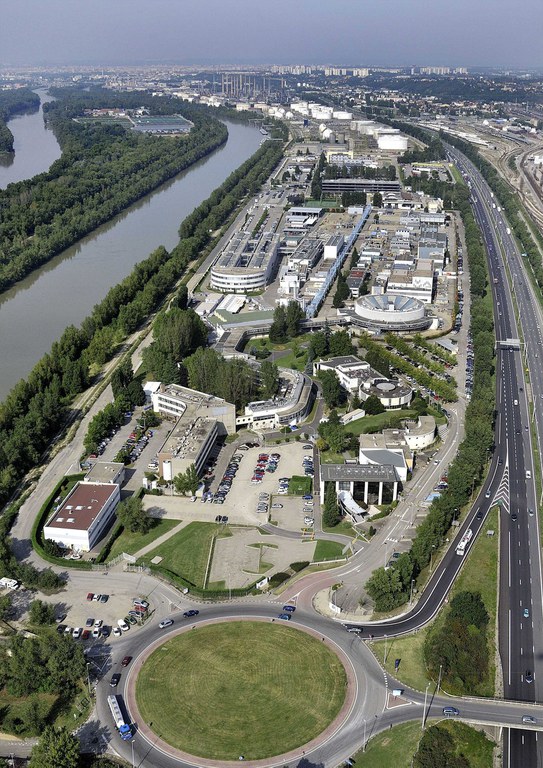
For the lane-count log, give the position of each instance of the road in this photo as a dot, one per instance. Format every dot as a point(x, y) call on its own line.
point(368, 714)
point(520, 560)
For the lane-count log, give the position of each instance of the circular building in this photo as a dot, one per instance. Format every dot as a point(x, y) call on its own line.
point(391, 312)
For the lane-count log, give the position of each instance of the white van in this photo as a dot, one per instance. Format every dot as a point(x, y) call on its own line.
point(528, 475)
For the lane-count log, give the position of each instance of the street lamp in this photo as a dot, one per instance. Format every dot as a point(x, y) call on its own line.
point(424, 710)
point(364, 742)
point(88, 679)
point(411, 593)
point(133, 753)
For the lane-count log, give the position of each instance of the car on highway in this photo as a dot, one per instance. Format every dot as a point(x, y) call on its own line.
point(284, 616)
point(126, 661)
point(114, 682)
point(191, 613)
point(165, 623)
point(514, 516)
point(528, 719)
point(487, 495)
point(526, 613)
point(528, 676)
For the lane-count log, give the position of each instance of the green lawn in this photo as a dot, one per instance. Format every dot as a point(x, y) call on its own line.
point(327, 550)
point(329, 457)
point(187, 552)
point(132, 542)
point(379, 421)
point(299, 485)
point(397, 746)
point(479, 574)
point(231, 689)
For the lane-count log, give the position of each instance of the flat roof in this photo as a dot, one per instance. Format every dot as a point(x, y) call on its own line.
point(370, 473)
point(82, 506)
point(104, 471)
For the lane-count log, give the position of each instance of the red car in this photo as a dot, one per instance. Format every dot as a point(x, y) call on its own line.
point(126, 661)
point(90, 596)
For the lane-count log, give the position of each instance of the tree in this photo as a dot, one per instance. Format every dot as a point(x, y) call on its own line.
point(330, 513)
point(332, 392)
point(318, 345)
point(293, 316)
point(373, 406)
point(385, 588)
point(41, 612)
point(187, 482)
point(377, 200)
point(133, 517)
point(469, 607)
point(5, 607)
point(269, 379)
point(278, 329)
point(340, 344)
point(342, 292)
point(57, 748)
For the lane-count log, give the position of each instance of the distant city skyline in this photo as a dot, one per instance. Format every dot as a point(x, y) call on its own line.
point(468, 33)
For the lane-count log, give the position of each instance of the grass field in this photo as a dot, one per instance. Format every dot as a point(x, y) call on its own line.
point(378, 422)
point(327, 550)
point(187, 552)
point(240, 688)
point(132, 542)
point(479, 574)
point(299, 485)
point(398, 746)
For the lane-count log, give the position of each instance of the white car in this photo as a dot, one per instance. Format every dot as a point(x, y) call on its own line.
point(77, 633)
point(309, 520)
point(165, 623)
point(96, 632)
point(121, 623)
point(117, 632)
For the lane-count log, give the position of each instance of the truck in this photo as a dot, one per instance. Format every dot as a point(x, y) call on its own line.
point(6, 583)
point(125, 731)
point(464, 541)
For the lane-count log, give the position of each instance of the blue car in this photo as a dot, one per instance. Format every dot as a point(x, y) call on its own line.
point(307, 497)
point(289, 608)
point(188, 614)
point(285, 616)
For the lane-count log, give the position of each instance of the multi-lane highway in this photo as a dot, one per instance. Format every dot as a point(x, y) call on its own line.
point(520, 607)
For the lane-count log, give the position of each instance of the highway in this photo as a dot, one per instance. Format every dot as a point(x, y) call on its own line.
point(520, 560)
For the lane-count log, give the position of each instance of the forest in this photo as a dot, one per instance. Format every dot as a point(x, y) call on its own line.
point(103, 169)
point(12, 102)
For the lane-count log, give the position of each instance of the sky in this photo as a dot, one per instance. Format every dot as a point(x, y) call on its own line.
point(349, 32)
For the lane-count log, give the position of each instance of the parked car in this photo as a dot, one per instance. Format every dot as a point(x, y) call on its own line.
point(76, 634)
point(122, 625)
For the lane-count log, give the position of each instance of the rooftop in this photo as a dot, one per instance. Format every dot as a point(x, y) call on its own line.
point(371, 473)
point(82, 506)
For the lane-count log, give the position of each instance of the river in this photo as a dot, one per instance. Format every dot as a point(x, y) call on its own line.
point(34, 313)
point(35, 147)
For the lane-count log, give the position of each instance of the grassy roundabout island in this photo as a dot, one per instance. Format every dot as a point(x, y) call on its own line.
point(240, 688)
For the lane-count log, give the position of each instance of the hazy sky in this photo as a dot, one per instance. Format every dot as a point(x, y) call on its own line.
point(378, 32)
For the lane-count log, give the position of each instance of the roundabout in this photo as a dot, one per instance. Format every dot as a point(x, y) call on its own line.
point(236, 688)
point(236, 685)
